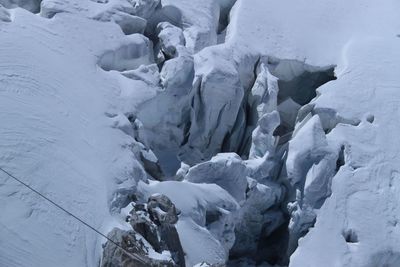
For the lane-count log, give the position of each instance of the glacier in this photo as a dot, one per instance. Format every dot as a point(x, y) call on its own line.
point(199, 133)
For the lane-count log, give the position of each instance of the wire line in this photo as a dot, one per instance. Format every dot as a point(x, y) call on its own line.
point(136, 257)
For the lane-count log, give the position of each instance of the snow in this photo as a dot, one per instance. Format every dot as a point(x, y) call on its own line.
point(84, 95)
point(194, 202)
point(55, 137)
point(359, 37)
point(226, 170)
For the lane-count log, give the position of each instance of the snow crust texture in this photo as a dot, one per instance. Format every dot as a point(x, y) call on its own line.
point(200, 133)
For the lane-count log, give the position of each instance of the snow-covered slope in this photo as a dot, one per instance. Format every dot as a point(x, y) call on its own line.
point(56, 137)
point(357, 225)
point(212, 104)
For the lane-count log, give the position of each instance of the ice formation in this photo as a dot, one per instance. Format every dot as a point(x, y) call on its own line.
point(199, 133)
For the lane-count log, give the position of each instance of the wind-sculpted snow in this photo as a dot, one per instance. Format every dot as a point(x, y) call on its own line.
point(200, 133)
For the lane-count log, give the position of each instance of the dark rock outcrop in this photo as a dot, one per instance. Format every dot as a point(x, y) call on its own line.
point(152, 229)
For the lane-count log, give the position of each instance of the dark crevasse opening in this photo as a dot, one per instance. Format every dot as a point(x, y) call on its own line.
point(170, 115)
point(302, 89)
point(296, 90)
point(297, 84)
point(224, 11)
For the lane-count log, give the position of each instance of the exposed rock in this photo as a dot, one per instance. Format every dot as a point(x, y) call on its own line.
point(130, 252)
point(208, 216)
point(142, 224)
point(153, 230)
point(170, 237)
point(162, 210)
point(154, 221)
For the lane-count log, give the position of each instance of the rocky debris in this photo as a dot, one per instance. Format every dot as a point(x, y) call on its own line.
point(131, 251)
point(142, 224)
point(154, 222)
point(162, 210)
point(208, 216)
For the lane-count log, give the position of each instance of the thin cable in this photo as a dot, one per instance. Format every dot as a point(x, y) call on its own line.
point(137, 257)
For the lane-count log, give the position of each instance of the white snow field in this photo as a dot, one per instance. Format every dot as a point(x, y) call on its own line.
point(200, 132)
